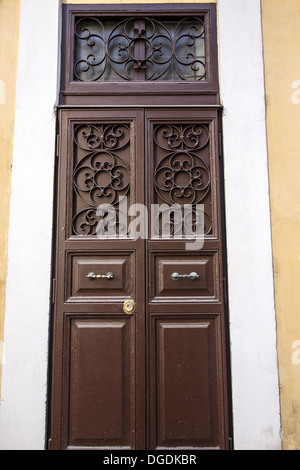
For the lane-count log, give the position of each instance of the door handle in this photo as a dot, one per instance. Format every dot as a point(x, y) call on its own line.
point(129, 307)
point(92, 276)
point(192, 276)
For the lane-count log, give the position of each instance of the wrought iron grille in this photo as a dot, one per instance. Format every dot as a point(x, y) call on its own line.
point(182, 175)
point(140, 49)
point(101, 173)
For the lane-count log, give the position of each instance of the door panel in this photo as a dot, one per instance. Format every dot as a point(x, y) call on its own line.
point(103, 170)
point(202, 289)
point(181, 163)
point(186, 388)
point(84, 288)
point(186, 316)
point(156, 378)
point(97, 360)
point(101, 404)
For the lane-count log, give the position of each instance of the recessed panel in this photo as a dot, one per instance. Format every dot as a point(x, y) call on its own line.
point(100, 403)
point(101, 276)
point(184, 277)
point(186, 384)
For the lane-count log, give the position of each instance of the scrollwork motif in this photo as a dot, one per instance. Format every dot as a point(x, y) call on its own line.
point(181, 177)
point(158, 49)
point(101, 176)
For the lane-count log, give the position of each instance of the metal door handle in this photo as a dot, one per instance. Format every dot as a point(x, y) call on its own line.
point(93, 276)
point(192, 276)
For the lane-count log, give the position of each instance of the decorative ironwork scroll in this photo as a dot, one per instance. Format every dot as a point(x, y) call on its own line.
point(182, 174)
point(140, 49)
point(101, 175)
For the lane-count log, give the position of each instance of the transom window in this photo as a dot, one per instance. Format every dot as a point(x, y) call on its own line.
point(151, 55)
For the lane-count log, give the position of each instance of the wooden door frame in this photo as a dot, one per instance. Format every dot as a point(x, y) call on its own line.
point(77, 96)
point(74, 115)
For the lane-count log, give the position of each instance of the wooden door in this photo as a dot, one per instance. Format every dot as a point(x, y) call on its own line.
point(156, 376)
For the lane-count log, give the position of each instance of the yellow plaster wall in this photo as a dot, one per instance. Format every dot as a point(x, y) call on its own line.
point(281, 33)
point(9, 28)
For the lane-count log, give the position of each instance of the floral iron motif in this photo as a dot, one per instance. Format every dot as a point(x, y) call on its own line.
point(101, 176)
point(181, 177)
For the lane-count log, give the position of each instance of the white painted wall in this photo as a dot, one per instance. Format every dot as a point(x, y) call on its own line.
point(252, 314)
point(24, 384)
point(256, 409)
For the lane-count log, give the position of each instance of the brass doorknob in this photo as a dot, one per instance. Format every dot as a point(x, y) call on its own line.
point(129, 307)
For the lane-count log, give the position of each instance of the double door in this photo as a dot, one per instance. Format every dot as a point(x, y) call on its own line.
point(139, 334)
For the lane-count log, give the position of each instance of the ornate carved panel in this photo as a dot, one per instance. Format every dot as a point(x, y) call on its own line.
point(101, 176)
point(140, 49)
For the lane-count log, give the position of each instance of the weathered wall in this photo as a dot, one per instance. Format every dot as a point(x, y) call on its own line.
point(281, 34)
point(9, 27)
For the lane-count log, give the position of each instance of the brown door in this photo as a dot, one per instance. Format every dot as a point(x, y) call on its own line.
point(154, 376)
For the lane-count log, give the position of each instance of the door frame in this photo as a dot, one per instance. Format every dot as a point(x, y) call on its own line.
point(66, 246)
